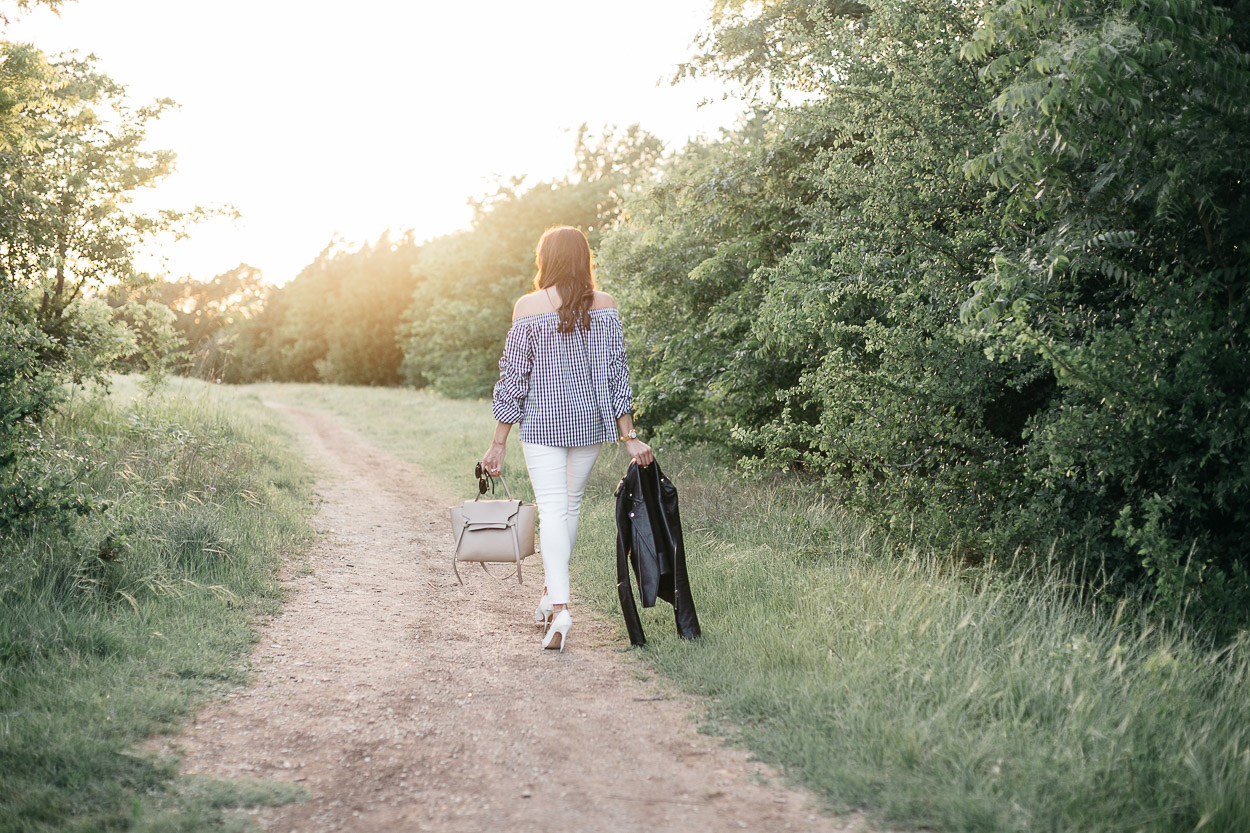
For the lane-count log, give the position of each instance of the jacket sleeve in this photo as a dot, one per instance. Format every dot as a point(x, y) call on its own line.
point(513, 386)
point(624, 538)
point(683, 600)
point(677, 581)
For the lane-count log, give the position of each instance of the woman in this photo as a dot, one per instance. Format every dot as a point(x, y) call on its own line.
point(564, 379)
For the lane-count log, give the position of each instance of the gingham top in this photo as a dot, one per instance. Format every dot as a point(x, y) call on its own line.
point(566, 389)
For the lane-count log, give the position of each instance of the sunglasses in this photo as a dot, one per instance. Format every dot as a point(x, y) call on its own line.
point(483, 479)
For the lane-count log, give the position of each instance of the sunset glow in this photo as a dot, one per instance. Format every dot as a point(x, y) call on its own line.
point(321, 119)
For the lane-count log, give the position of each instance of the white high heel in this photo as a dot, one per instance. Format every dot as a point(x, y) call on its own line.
point(544, 612)
point(558, 633)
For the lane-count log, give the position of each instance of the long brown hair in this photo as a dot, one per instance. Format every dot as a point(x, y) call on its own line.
point(563, 258)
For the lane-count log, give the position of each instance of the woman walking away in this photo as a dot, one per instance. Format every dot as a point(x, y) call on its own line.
point(564, 379)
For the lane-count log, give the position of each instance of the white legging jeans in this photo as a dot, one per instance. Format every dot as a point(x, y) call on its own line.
point(559, 478)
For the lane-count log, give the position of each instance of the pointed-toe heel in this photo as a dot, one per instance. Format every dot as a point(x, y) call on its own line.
point(543, 614)
point(558, 633)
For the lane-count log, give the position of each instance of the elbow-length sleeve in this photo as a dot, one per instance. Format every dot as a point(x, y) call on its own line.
point(618, 369)
point(513, 386)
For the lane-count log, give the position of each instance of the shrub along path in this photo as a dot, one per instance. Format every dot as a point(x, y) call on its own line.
point(403, 701)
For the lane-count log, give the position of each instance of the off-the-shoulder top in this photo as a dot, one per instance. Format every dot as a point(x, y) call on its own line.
point(565, 389)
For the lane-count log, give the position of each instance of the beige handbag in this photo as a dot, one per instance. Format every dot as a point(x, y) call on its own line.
point(492, 531)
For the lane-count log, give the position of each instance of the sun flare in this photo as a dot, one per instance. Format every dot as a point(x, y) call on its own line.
point(319, 120)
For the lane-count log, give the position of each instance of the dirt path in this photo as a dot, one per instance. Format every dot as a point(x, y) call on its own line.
point(405, 702)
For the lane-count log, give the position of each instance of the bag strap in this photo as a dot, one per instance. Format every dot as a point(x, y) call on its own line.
point(506, 491)
point(455, 556)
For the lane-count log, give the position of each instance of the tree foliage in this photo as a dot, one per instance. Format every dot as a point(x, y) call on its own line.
point(206, 315)
point(682, 261)
point(335, 322)
point(1122, 151)
point(839, 306)
point(982, 266)
point(72, 156)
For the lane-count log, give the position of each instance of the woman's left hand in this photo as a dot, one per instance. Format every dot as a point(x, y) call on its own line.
point(640, 451)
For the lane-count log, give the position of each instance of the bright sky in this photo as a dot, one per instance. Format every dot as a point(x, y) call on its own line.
point(320, 118)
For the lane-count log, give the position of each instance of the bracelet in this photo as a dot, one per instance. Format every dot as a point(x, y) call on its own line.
point(632, 435)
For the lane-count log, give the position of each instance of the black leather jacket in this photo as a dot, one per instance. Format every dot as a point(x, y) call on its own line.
point(648, 535)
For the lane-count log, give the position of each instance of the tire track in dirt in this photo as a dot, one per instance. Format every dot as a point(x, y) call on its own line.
point(405, 702)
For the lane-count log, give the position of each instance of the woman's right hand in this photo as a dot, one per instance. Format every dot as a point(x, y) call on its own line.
point(640, 451)
point(492, 460)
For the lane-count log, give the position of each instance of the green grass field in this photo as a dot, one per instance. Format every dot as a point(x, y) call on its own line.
point(958, 701)
point(928, 696)
point(118, 630)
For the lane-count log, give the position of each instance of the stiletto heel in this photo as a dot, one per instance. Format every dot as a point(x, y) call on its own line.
point(558, 633)
point(545, 611)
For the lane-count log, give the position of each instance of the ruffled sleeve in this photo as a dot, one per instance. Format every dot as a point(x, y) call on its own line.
point(618, 369)
point(515, 365)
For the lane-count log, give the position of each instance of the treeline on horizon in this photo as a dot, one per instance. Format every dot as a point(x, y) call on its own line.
point(980, 267)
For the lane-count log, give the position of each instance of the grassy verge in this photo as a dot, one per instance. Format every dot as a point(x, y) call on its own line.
point(118, 629)
point(961, 702)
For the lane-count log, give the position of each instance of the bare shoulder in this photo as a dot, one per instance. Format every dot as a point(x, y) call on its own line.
point(530, 304)
point(603, 301)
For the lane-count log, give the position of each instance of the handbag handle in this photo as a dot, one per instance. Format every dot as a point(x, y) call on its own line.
point(506, 491)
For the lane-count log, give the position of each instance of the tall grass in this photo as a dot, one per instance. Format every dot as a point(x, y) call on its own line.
point(955, 701)
point(933, 697)
point(117, 629)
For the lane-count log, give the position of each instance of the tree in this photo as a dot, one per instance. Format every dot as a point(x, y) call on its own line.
point(72, 155)
point(683, 263)
point(1122, 148)
point(205, 315)
point(1003, 302)
point(808, 268)
point(337, 321)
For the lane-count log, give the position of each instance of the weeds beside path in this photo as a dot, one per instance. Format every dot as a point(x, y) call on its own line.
point(120, 624)
point(405, 701)
point(885, 680)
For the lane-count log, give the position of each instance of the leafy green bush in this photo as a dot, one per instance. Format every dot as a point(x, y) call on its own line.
point(987, 274)
point(38, 477)
point(797, 285)
point(1122, 149)
point(683, 264)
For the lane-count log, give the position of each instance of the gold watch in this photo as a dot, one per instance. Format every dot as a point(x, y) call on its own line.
point(632, 435)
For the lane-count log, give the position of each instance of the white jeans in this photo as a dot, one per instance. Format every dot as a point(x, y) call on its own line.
point(559, 478)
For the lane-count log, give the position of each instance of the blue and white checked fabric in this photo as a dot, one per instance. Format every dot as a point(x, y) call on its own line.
point(565, 389)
